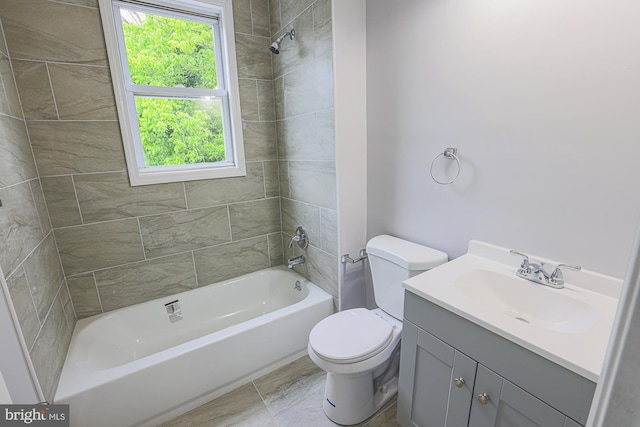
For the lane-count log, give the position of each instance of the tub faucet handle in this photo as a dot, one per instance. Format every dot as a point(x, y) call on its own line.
point(300, 237)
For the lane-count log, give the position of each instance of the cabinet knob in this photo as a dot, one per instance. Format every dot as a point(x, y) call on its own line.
point(459, 382)
point(483, 398)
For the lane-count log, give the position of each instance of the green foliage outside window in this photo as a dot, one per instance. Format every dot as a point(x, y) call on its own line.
point(171, 52)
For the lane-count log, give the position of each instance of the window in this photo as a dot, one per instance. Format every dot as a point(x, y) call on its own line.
point(174, 75)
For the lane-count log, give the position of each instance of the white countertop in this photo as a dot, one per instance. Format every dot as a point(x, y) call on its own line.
point(579, 347)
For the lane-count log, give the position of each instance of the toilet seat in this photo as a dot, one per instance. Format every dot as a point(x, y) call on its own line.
point(350, 336)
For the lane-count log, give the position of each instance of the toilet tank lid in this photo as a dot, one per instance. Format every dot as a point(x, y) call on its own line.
point(408, 255)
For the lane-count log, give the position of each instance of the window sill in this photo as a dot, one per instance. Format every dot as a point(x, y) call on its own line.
point(150, 176)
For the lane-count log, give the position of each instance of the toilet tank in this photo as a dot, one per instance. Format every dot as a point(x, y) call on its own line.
point(393, 260)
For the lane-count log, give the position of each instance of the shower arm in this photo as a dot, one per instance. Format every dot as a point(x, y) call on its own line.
point(291, 34)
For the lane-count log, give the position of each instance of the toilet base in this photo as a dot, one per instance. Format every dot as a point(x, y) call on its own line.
point(352, 403)
point(351, 399)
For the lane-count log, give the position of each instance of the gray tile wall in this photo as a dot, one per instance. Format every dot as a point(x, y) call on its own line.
point(28, 254)
point(121, 245)
point(303, 87)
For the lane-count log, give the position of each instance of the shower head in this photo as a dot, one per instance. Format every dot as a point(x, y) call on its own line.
point(275, 46)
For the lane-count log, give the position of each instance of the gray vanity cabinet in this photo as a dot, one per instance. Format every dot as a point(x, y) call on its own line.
point(508, 406)
point(454, 373)
point(438, 391)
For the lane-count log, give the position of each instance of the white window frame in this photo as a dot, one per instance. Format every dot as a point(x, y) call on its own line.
point(221, 13)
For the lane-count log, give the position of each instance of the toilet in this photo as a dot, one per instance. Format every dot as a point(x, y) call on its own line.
point(359, 348)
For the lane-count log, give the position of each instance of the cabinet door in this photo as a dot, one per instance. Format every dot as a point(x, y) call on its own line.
point(568, 422)
point(436, 382)
point(499, 403)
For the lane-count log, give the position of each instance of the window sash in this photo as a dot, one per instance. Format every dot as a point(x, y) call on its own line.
point(218, 13)
point(220, 71)
point(230, 157)
point(177, 92)
point(193, 10)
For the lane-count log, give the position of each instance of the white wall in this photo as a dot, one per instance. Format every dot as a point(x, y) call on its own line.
point(5, 398)
point(16, 370)
point(617, 395)
point(349, 47)
point(541, 97)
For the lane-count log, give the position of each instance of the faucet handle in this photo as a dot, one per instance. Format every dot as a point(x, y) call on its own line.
point(556, 275)
point(295, 238)
point(300, 238)
point(525, 262)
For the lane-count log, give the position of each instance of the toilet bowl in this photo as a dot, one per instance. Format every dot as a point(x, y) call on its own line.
point(360, 348)
point(352, 393)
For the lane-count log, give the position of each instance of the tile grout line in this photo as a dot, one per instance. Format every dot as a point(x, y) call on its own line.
point(75, 193)
point(35, 307)
point(73, 4)
point(195, 270)
point(251, 17)
point(60, 175)
point(61, 62)
point(229, 220)
point(72, 121)
point(266, 407)
point(258, 102)
point(144, 252)
point(264, 181)
point(184, 189)
point(53, 94)
point(95, 283)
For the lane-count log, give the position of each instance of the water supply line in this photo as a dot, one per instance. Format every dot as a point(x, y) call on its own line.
point(347, 259)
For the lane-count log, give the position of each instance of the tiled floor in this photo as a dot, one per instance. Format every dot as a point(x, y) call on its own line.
point(288, 397)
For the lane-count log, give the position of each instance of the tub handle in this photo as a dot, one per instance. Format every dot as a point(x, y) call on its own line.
point(300, 238)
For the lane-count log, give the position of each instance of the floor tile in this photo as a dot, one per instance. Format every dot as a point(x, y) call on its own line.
point(386, 417)
point(293, 394)
point(287, 397)
point(241, 407)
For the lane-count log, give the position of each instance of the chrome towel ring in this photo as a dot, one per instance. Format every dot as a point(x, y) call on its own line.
point(451, 154)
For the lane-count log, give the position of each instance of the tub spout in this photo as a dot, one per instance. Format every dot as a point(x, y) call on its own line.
point(295, 261)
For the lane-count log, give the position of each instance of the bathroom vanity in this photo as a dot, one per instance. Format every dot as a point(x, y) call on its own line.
point(482, 347)
point(448, 363)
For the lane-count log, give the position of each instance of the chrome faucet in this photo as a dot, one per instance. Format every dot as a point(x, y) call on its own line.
point(537, 273)
point(303, 241)
point(295, 261)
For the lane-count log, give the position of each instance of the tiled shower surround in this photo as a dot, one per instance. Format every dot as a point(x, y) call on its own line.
point(78, 236)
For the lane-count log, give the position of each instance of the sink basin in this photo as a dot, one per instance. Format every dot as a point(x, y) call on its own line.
point(528, 302)
point(569, 326)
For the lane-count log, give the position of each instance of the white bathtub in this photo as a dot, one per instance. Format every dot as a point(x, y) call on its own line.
point(142, 365)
